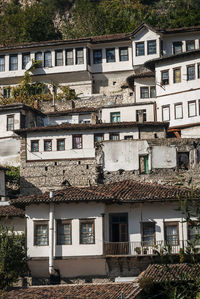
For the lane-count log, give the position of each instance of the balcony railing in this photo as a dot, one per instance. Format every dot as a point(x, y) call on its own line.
point(144, 248)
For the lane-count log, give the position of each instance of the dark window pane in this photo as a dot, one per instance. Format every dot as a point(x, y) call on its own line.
point(2, 63)
point(97, 56)
point(177, 47)
point(69, 57)
point(110, 55)
point(87, 233)
point(47, 145)
point(41, 235)
point(35, 146)
point(60, 145)
point(123, 54)
point(13, 62)
point(144, 92)
point(139, 49)
point(79, 56)
point(63, 233)
point(151, 47)
point(190, 72)
point(10, 123)
point(47, 59)
point(25, 59)
point(77, 142)
point(59, 58)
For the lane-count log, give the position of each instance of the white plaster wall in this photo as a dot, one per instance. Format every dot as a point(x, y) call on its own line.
point(10, 152)
point(163, 157)
point(57, 120)
point(2, 183)
point(193, 132)
point(3, 123)
point(143, 82)
point(74, 212)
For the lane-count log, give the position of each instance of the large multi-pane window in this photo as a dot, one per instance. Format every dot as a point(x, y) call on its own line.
point(114, 136)
point(79, 56)
point(41, 233)
point(165, 77)
point(69, 57)
point(171, 233)
point(47, 145)
point(34, 146)
point(2, 63)
point(13, 62)
point(190, 45)
point(140, 49)
point(178, 109)
point(123, 54)
point(177, 47)
point(10, 122)
point(98, 137)
point(87, 232)
point(77, 141)
point(151, 47)
point(166, 113)
point(194, 233)
point(97, 56)
point(25, 59)
point(144, 92)
point(192, 109)
point(115, 117)
point(177, 75)
point(60, 144)
point(59, 58)
point(110, 55)
point(148, 233)
point(64, 234)
point(47, 59)
point(190, 72)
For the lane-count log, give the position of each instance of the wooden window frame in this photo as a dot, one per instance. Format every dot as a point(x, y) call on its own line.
point(57, 140)
point(150, 94)
point(45, 60)
point(148, 42)
point(142, 232)
point(77, 57)
point(174, 70)
point(10, 56)
point(172, 223)
point(136, 52)
point(190, 41)
point(120, 56)
point(47, 140)
point(95, 59)
point(142, 88)
point(24, 54)
point(118, 114)
point(2, 66)
point(87, 221)
point(189, 102)
point(187, 67)
point(72, 59)
point(162, 82)
point(98, 134)
point(32, 141)
point(113, 133)
point(178, 104)
point(176, 43)
point(56, 59)
point(73, 143)
point(62, 222)
point(165, 106)
point(107, 59)
point(40, 222)
point(10, 116)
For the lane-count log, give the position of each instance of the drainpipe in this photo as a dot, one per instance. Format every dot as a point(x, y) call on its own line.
point(51, 235)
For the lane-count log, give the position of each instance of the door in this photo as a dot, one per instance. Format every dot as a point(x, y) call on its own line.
point(119, 233)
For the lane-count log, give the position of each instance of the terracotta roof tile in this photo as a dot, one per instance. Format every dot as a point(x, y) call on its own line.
point(74, 110)
point(11, 211)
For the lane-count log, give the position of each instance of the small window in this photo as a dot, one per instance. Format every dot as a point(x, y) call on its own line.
point(177, 75)
point(194, 233)
point(128, 137)
point(69, 57)
point(47, 145)
point(183, 160)
point(98, 137)
point(10, 122)
point(165, 113)
point(79, 56)
point(13, 65)
point(144, 164)
point(190, 72)
point(144, 92)
point(140, 49)
point(115, 117)
point(34, 146)
point(77, 141)
point(60, 144)
point(64, 232)
point(87, 232)
point(152, 91)
point(178, 108)
point(148, 233)
point(2, 63)
point(7, 92)
point(198, 69)
point(114, 136)
point(41, 233)
point(59, 58)
point(141, 115)
point(192, 109)
point(97, 56)
point(38, 56)
point(25, 59)
point(165, 77)
point(47, 59)
point(171, 233)
point(177, 47)
point(151, 47)
point(190, 45)
point(123, 54)
point(110, 55)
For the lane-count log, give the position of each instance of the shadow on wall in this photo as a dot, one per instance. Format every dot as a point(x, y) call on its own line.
point(27, 188)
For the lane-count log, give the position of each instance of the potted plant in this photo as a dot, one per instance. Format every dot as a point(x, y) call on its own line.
point(144, 250)
point(138, 250)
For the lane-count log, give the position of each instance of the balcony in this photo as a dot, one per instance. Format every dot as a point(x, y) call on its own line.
point(144, 248)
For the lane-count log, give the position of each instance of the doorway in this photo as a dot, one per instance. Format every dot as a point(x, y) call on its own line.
point(119, 233)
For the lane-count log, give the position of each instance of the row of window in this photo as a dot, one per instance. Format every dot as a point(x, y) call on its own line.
point(110, 55)
point(151, 48)
point(147, 92)
point(178, 46)
point(191, 74)
point(178, 110)
point(141, 115)
point(64, 232)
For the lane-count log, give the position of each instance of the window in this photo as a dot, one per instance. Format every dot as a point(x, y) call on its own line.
point(165, 77)
point(190, 45)
point(141, 115)
point(47, 59)
point(115, 117)
point(88, 56)
point(183, 160)
point(47, 145)
point(60, 144)
point(13, 66)
point(10, 122)
point(171, 233)
point(69, 57)
point(177, 75)
point(25, 59)
point(34, 146)
point(38, 56)
point(97, 56)
point(64, 233)
point(148, 233)
point(194, 233)
point(151, 47)
point(98, 137)
point(190, 72)
point(87, 235)
point(144, 164)
point(192, 109)
point(165, 113)
point(79, 56)
point(152, 91)
point(198, 69)
point(7, 92)
point(128, 137)
point(2, 63)
point(144, 92)
point(123, 54)
point(177, 47)
point(41, 233)
point(178, 109)
point(110, 55)
point(77, 141)
point(114, 136)
point(59, 58)
point(140, 49)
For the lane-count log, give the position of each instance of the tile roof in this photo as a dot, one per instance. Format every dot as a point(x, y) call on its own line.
point(159, 273)
point(91, 291)
point(74, 110)
point(11, 211)
point(124, 191)
point(18, 106)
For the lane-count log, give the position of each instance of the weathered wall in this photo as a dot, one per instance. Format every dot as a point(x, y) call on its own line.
point(2, 183)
